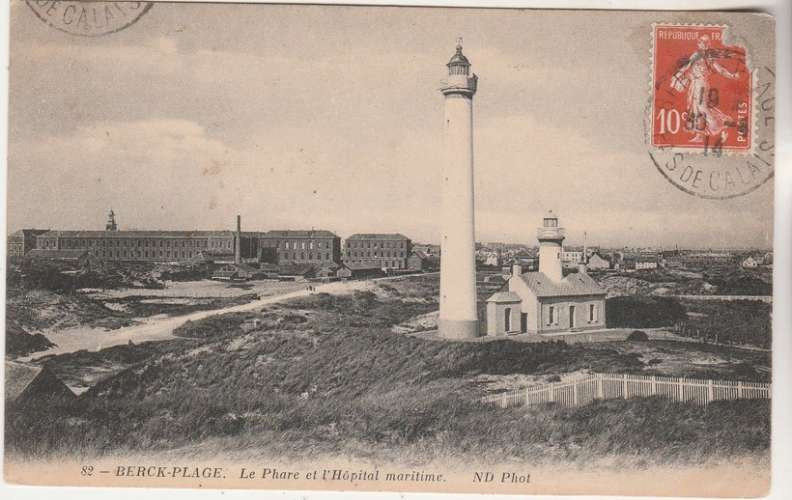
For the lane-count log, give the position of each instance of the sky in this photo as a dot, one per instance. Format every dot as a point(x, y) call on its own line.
point(331, 117)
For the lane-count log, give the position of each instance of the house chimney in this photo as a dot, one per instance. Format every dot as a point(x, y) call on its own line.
point(516, 269)
point(238, 242)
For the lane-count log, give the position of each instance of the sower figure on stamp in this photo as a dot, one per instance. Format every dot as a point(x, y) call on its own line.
point(696, 73)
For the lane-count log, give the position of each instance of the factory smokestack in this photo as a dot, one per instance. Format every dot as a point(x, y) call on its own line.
point(238, 241)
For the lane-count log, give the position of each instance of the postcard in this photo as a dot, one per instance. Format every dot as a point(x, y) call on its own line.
point(384, 248)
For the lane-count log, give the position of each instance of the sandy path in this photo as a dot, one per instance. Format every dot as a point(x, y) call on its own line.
point(161, 327)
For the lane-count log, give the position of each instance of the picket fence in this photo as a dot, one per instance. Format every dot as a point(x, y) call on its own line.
point(583, 391)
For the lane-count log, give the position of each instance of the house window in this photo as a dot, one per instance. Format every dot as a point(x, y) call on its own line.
point(507, 319)
point(593, 312)
point(551, 318)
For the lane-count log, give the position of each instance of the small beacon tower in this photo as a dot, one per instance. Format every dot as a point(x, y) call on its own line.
point(111, 222)
point(458, 314)
point(550, 238)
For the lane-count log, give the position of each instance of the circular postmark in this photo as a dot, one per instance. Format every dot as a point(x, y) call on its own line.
point(715, 174)
point(88, 18)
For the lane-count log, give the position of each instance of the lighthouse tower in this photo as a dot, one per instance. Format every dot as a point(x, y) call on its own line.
point(458, 315)
point(550, 238)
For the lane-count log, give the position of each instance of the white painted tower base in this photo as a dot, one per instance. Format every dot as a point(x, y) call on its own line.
point(458, 313)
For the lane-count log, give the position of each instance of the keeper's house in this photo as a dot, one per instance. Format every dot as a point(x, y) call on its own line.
point(546, 301)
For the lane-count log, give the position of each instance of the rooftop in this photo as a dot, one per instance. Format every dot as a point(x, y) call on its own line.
point(504, 297)
point(136, 234)
point(574, 284)
point(300, 233)
point(378, 236)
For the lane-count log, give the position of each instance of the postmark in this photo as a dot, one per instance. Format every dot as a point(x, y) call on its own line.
point(88, 18)
point(710, 116)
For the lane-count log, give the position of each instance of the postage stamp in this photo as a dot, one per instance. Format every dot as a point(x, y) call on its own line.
point(89, 18)
point(701, 89)
point(710, 119)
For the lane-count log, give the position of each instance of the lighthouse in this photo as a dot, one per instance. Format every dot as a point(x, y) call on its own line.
point(550, 237)
point(458, 315)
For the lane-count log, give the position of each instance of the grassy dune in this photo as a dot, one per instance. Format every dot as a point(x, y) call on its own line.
point(325, 374)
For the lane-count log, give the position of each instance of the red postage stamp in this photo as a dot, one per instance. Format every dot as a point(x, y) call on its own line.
point(701, 90)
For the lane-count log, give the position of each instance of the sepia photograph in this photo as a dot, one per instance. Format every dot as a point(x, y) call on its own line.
point(389, 248)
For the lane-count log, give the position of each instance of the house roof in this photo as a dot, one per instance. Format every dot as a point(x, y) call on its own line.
point(62, 254)
point(378, 236)
point(573, 284)
point(288, 233)
point(504, 297)
point(420, 254)
point(136, 234)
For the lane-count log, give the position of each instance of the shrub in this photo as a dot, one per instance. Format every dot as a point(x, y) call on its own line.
point(643, 312)
point(638, 335)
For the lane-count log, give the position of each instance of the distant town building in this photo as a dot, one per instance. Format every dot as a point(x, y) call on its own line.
point(698, 260)
point(421, 261)
point(750, 263)
point(151, 246)
point(386, 251)
point(21, 242)
point(428, 249)
point(316, 246)
point(237, 272)
point(360, 270)
point(547, 301)
point(598, 262)
point(572, 257)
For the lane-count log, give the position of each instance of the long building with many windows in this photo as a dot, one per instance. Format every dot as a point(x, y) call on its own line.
point(387, 251)
point(318, 247)
point(152, 246)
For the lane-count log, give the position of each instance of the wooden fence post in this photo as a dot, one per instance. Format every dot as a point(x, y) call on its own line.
point(739, 389)
point(710, 392)
point(624, 386)
point(600, 391)
point(681, 390)
point(552, 395)
point(574, 394)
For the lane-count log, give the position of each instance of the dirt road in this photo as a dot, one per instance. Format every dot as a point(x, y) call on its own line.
point(161, 327)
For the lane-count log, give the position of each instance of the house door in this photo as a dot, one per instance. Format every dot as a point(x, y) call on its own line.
point(524, 322)
point(571, 316)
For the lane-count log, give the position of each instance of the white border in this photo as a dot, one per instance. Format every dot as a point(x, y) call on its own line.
point(782, 283)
